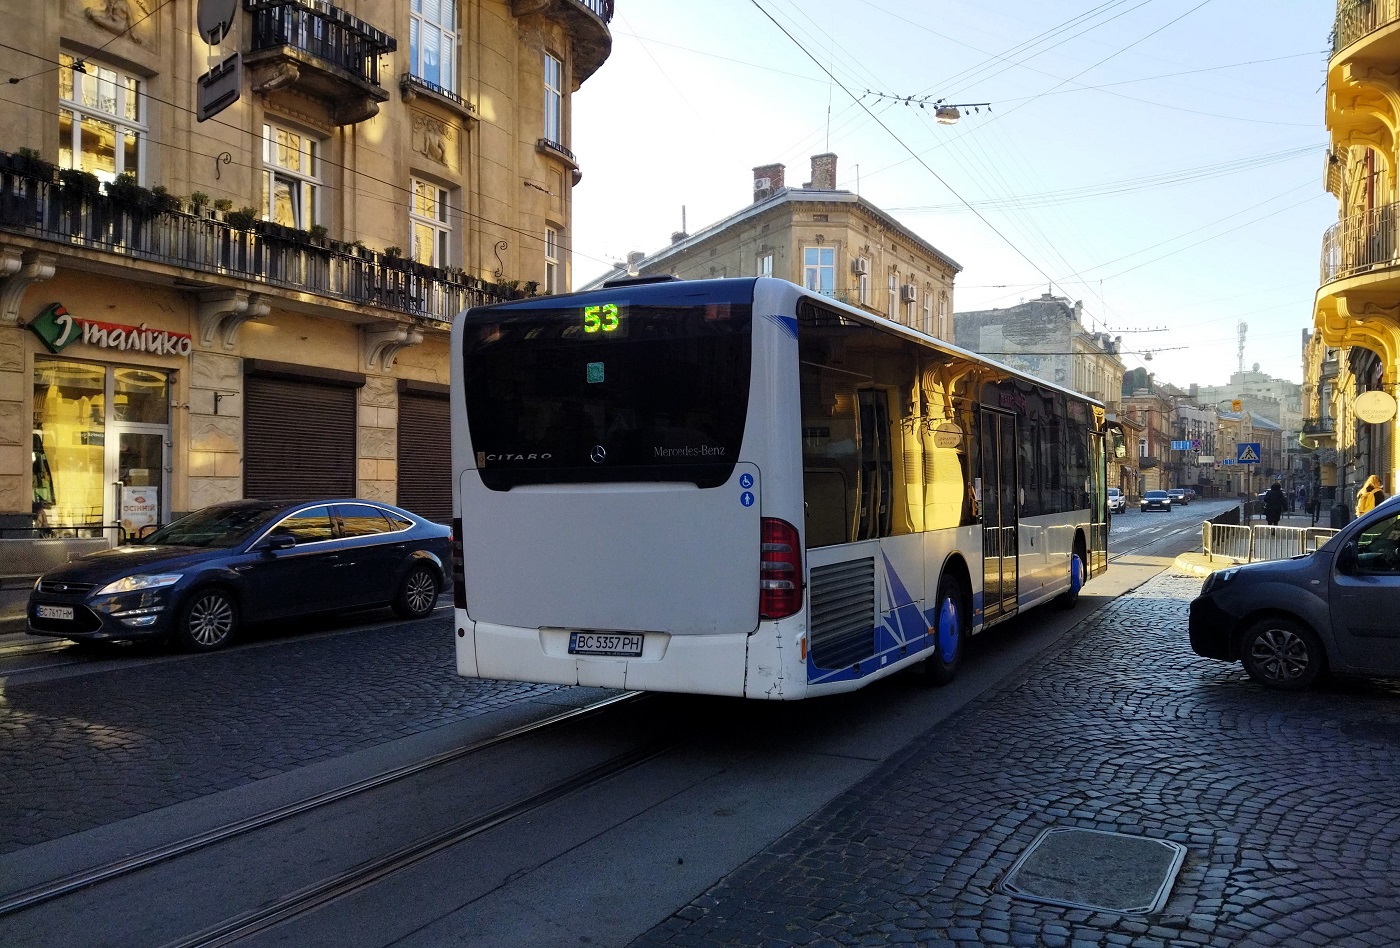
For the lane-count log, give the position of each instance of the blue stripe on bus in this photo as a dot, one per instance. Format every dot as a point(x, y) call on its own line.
point(900, 632)
point(787, 323)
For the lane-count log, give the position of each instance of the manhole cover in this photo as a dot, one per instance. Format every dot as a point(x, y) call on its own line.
point(1091, 869)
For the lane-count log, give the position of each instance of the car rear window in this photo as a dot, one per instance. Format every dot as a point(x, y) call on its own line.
point(646, 383)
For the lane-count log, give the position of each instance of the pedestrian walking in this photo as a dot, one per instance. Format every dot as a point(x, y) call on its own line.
point(1302, 495)
point(1315, 505)
point(1369, 495)
point(1274, 502)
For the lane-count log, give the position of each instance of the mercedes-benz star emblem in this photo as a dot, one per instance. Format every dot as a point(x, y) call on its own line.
point(599, 454)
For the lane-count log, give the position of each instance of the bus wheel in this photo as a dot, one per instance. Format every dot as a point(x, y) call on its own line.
point(1070, 597)
point(949, 630)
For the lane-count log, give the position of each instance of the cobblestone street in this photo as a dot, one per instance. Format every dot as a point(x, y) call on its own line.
point(81, 752)
point(1285, 803)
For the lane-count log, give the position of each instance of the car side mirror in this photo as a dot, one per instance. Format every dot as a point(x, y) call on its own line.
point(278, 539)
point(1346, 559)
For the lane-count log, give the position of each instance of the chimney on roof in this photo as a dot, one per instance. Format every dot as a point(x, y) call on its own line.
point(767, 181)
point(634, 262)
point(823, 172)
point(1078, 309)
point(677, 236)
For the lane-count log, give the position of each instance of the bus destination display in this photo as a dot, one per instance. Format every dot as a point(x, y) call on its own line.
point(604, 319)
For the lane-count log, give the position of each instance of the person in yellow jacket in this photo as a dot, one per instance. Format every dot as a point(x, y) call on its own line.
point(1369, 495)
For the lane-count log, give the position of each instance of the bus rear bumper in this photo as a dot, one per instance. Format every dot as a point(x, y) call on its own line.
point(692, 664)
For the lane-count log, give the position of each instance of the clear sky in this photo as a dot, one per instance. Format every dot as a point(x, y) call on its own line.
point(1161, 160)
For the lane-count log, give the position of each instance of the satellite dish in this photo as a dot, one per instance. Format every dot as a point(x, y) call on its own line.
point(214, 19)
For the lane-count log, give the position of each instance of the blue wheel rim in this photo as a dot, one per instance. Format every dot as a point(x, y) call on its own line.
point(948, 626)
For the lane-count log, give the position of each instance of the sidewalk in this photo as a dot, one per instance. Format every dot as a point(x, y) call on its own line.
point(1284, 803)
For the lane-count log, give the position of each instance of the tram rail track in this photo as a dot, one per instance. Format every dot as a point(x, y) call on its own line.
point(37, 895)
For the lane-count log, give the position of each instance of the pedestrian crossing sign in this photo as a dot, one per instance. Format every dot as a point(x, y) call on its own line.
point(1247, 453)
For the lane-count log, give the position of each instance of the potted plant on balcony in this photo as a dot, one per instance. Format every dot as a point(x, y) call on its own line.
point(243, 219)
point(29, 163)
point(129, 196)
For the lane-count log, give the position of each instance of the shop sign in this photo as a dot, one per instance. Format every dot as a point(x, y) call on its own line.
point(1374, 407)
point(58, 328)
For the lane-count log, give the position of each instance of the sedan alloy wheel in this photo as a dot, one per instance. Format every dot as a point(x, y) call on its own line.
point(208, 620)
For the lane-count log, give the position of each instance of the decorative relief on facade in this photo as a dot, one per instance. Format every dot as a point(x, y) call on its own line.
point(127, 18)
point(435, 140)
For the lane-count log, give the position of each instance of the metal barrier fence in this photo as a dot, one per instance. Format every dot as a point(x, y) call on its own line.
point(1260, 542)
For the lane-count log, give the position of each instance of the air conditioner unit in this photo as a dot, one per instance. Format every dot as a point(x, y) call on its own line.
point(908, 293)
point(860, 265)
point(762, 184)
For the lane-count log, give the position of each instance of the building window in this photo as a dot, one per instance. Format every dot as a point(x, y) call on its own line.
point(101, 119)
point(427, 221)
point(891, 306)
point(432, 42)
point(819, 269)
point(911, 309)
point(291, 183)
point(928, 313)
point(553, 99)
point(863, 288)
point(765, 265)
point(551, 261)
point(943, 330)
point(1142, 447)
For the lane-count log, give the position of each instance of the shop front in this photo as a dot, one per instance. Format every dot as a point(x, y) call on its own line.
point(101, 446)
point(101, 438)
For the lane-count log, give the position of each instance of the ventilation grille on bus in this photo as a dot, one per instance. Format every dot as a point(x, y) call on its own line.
point(843, 613)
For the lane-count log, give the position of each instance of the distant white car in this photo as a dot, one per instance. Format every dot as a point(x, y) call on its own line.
point(1117, 503)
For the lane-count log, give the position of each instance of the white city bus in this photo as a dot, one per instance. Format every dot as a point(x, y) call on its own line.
point(739, 487)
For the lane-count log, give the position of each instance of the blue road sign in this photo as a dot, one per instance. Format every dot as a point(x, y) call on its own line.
point(1247, 453)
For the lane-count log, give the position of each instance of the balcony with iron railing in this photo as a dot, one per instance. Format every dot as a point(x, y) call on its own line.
point(1360, 243)
point(1359, 18)
point(223, 254)
point(318, 49)
point(586, 22)
point(1317, 425)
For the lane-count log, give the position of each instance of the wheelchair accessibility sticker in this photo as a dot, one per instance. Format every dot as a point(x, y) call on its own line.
point(745, 481)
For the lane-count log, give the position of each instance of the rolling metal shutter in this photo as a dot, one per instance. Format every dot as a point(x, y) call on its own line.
point(298, 439)
point(425, 455)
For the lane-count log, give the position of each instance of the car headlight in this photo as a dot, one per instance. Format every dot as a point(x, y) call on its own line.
point(1219, 578)
point(132, 583)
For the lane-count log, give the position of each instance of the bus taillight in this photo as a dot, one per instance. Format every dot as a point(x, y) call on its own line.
point(779, 569)
point(459, 577)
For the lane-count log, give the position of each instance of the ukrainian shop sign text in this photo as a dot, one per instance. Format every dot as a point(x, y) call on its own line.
point(58, 328)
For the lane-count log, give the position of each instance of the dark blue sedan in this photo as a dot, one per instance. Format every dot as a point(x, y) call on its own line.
point(195, 581)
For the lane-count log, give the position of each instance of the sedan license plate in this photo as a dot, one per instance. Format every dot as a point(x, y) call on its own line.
point(54, 612)
point(619, 644)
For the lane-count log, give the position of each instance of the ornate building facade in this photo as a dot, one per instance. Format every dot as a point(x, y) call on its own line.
point(229, 270)
point(1357, 307)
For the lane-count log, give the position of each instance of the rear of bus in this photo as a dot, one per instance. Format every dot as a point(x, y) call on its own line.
point(619, 469)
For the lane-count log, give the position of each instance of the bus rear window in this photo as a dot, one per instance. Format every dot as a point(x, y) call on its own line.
point(595, 388)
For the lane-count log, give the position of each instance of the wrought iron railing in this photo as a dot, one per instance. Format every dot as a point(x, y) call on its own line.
point(603, 9)
point(1360, 243)
point(409, 82)
point(205, 243)
point(1317, 425)
point(1356, 18)
point(550, 144)
point(321, 30)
